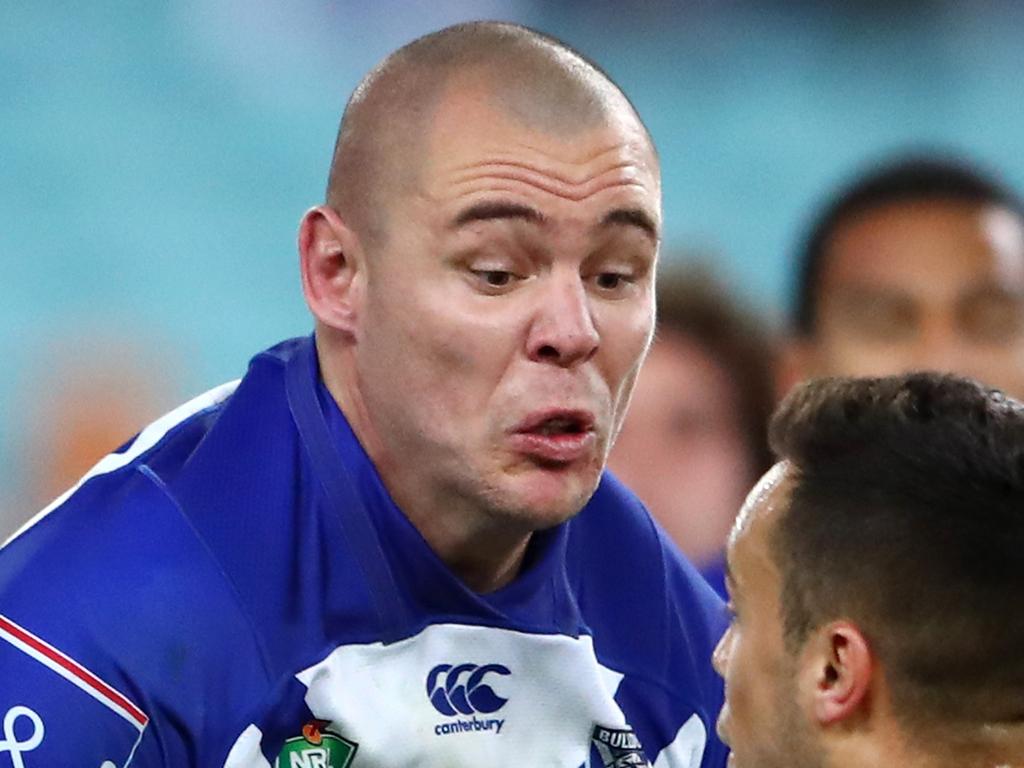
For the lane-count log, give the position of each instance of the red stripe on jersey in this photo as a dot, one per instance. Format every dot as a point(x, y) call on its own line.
point(74, 668)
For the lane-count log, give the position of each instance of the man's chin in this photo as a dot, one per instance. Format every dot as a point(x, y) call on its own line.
point(546, 501)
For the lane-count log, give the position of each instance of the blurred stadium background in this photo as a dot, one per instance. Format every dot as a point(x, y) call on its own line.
point(156, 157)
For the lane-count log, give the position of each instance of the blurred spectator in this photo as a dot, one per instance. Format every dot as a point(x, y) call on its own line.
point(88, 397)
point(694, 439)
point(918, 265)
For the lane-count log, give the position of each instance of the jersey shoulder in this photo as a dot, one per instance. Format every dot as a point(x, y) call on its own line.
point(631, 575)
point(112, 610)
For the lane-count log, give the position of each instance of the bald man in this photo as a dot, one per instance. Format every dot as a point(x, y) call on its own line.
point(392, 543)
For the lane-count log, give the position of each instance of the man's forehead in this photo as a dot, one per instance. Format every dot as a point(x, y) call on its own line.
point(470, 140)
point(759, 512)
point(935, 259)
point(762, 497)
point(472, 122)
point(1004, 230)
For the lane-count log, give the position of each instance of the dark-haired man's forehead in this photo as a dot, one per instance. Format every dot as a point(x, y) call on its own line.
point(1005, 231)
point(748, 550)
point(953, 239)
point(765, 497)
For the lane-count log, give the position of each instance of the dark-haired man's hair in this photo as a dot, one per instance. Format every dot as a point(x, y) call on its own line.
point(922, 178)
point(907, 517)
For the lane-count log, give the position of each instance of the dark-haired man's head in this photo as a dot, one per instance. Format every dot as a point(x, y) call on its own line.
point(876, 580)
point(919, 265)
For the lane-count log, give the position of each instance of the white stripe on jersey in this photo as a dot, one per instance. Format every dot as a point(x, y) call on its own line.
point(246, 751)
point(146, 439)
point(687, 748)
point(76, 674)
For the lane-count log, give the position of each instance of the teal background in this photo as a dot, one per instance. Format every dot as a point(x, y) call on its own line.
point(155, 157)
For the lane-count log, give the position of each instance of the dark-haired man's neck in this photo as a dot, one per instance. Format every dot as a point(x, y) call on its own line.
point(888, 746)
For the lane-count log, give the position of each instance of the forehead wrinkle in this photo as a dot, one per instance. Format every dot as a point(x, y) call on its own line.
point(511, 165)
point(598, 152)
point(583, 174)
point(543, 181)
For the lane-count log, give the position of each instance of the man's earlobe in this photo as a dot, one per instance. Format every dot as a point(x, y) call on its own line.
point(842, 668)
point(330, 260)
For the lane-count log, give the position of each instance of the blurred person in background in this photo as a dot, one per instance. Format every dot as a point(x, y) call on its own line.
point(875, 580)
point(80, 399)
point(695, 437)
point(94, 394)
point(917, 265)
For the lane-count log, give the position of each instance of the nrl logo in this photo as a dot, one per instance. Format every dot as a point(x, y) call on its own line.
point(616, 748)
point(316, 748)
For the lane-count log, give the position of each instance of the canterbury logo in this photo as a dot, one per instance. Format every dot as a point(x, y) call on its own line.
point(460, 689)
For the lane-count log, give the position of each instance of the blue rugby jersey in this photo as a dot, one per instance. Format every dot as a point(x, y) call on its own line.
point(236, 588)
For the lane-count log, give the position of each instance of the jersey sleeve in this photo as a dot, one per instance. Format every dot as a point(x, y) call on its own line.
point(56, 711)
point(121, 639)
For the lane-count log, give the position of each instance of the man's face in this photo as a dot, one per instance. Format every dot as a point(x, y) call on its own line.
point(508, 311)
point(924, 285)
point(682, 448)
point(762, 721)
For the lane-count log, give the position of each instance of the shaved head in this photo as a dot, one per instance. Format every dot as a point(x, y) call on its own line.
point(530, 78)
point(487, 252)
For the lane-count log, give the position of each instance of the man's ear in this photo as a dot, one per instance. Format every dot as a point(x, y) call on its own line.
point(837, 671)
point(331, 259)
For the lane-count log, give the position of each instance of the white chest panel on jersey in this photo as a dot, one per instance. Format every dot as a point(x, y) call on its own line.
point(457, 696)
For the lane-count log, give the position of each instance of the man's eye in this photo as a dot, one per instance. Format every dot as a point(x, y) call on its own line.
point(991, 317)
point(880, 317)
point(609, 281)
point(495, 278)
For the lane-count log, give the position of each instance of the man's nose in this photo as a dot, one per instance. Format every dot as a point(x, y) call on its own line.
point(720, 656)
point(563, 330)
point(939, 345)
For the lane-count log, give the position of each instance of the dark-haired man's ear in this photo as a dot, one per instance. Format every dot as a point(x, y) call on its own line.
point(838, 668)
point(330, 259)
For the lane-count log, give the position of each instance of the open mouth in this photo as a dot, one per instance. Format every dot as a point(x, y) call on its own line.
point(561, 425)
point(557, 422)
point(555, 437)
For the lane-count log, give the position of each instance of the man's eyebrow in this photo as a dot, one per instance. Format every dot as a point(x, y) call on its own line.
point(632, 217)
point(487, 211)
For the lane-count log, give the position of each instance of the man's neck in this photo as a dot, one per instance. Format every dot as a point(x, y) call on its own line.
point(484, 561)
point(945, 751)
point(483, 552)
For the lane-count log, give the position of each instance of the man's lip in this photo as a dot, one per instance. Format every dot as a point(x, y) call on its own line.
point(722, 728)
point(557, 450)
point(532, 422)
